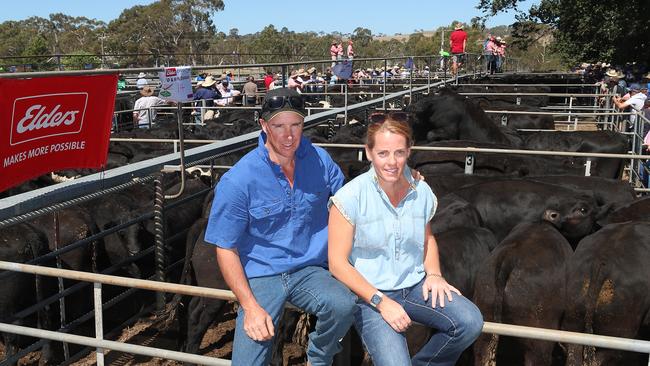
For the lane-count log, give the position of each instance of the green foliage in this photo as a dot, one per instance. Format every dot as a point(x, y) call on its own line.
point(80, 60)
point(583, 30)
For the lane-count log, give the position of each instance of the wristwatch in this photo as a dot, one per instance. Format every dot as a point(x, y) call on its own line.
point(376, 299)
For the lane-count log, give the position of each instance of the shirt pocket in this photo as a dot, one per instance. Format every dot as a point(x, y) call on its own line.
point(267, 220)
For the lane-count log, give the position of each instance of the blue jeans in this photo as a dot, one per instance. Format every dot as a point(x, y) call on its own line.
point(312, 289)
point(457, 325)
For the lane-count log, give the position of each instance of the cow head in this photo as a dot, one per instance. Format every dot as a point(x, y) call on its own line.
point(574, 218)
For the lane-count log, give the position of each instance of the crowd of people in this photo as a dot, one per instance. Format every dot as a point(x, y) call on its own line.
point(494, 52)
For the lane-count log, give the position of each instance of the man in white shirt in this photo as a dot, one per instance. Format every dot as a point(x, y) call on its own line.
point(142, 106)
point(635, 101)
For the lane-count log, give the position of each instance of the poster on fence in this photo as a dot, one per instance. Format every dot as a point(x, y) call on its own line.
point(54, 123)
point(176, 84)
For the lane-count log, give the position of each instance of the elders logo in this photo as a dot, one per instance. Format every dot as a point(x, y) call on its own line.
point(40, 116)
point(170, 72)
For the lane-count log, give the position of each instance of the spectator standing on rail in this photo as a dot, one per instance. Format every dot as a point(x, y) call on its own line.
point(268, 79)
point(142, 81)
point(339, 51)
point(491, 50)
point(144, 109)
point(334, 51)
point(205, 91)
point(350, 50)
point(501, 53)
point(486, 53)
point(269, 224)
point(457, 42)
point(635, 102)
point(250, 91)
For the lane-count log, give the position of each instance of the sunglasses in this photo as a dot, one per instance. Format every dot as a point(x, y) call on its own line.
point(275, 103)
point(381, 117)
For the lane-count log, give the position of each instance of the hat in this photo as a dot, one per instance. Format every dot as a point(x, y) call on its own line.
point(141, 75)
point(208, 82)
point(147, 91)
point(498, 39)
point(459, 25)
point(268, 113)
point(646, 76)
point(634, 87)
point(611, 73)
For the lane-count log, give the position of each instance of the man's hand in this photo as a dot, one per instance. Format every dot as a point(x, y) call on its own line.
point(258, 324)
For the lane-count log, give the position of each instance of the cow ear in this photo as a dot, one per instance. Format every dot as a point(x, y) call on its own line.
point(603, 212)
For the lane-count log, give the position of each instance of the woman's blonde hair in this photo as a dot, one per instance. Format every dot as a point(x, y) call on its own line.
point(394, 122)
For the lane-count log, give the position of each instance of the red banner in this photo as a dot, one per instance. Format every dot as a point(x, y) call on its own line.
point(54, 123)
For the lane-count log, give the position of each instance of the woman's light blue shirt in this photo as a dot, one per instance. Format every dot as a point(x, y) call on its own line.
point(388, 244)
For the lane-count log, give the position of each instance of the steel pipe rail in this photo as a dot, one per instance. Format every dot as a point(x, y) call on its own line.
point(495, 328)
point(575, 95)
point(575, 114)
point(113, 345)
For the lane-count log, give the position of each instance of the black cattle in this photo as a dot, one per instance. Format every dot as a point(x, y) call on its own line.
point(584, 141)
point(609, 292)
point(485, 98)
point(19, 244)
point(523, 282)
point(443, 163)
point(505, 203)
point(605, 191)
point(453, 212)
point(638, 210)
point(517, 121)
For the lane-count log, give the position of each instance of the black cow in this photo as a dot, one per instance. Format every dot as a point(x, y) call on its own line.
point(638, 210)
point(20, 243)
point(517, 121)
point(609, 292)
point(523, 282)
point(454, 212)
point(505, 203)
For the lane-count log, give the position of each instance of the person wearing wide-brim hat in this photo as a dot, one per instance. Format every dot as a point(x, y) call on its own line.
point(457, 44)
point(142, 81)
point(205, 95)
point(144, 105)
point(611, 73)
point(276, 250)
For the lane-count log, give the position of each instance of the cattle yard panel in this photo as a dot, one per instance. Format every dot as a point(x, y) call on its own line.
point(98, 342)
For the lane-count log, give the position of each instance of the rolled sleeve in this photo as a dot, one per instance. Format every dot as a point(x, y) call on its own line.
point(228, 217)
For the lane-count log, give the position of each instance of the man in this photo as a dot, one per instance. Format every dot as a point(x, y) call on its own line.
point(142, 81)
point(350, 50)
point(269, 223)
point(144, 105)
point(205, 91)
point(636, 101)
point(457, 42)
point(250, 91)
point(333, 52)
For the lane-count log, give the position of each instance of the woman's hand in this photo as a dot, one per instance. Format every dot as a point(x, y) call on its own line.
point(438, 287)
point(394, 314)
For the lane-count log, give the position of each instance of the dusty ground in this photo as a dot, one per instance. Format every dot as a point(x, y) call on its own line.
point(216, 343)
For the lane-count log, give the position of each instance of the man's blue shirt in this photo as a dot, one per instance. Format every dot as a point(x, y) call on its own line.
point(275, 228)
point(208, 94)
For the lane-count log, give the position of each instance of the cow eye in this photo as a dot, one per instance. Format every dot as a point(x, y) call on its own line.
point(583, 210)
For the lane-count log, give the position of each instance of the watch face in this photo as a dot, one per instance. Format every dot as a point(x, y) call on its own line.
point(375, 300)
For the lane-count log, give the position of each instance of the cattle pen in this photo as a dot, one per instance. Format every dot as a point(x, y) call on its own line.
point(575, 103)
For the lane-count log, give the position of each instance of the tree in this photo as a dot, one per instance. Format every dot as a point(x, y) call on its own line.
point(583, 30)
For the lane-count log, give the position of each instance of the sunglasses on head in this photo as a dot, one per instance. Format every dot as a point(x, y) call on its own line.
point(381, 117)
point(278, 102)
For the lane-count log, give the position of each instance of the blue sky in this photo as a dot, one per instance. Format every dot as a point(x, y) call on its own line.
point(250, 16)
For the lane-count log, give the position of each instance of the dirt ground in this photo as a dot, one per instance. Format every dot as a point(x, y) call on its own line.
point(217, 343)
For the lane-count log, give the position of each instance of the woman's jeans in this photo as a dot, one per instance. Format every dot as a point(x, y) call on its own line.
point(312, 289)
point(456, 327)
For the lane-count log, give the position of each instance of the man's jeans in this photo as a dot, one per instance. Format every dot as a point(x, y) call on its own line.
point(312, 289)
point(456, 327)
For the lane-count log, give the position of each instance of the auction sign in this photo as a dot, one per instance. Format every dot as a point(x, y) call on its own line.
point(54, 123)
point(176, 84)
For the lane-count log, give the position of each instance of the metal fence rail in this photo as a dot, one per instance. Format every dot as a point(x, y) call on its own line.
point(553, 335)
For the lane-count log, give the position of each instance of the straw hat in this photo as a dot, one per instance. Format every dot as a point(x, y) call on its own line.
point(141, 75)
point(208, 82)
point(611, 73)
point(147, 91)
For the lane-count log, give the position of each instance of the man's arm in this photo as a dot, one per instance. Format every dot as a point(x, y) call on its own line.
point(258, 324)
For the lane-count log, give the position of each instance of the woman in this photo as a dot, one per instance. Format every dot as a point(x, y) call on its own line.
point(381, 247)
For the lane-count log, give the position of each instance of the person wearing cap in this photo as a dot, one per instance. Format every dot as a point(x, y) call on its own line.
point(268, 222)
point(205, 90)
point(144, 105)
point(457, 43)
point(635, 102)
point(142, 81)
